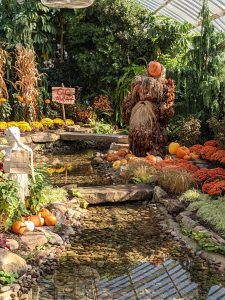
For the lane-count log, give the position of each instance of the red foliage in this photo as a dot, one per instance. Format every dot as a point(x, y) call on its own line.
point(212, 143)
point(208, 151)
point(177, 163)
point(196, 149)
point(214, 186)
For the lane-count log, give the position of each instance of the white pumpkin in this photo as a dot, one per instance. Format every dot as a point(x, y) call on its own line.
point(158, 158)
point(30, 225)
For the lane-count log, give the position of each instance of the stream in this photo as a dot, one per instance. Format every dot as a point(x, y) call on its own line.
point(123, 252)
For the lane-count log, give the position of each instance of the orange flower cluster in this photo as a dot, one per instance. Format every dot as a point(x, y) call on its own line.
point(208, 151)
point(178, 164)
point(101, 102)
point(212, 180)
point(214, 186)
point(85, 115)
point(196, 149)
point(219, 155)
point(213, 143)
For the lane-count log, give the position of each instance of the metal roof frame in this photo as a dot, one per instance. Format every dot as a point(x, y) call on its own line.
point(188, 10)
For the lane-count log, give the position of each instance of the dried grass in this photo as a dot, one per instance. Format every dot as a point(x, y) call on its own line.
point(3, 87)
point(176, 181)
point(28, 76)
point(141, 171)
point(142, 115)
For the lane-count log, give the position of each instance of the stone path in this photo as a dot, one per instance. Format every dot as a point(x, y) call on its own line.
point(124, 254)
point(94, 137)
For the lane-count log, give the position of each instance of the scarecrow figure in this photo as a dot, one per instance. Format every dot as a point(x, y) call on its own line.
point(147, 110)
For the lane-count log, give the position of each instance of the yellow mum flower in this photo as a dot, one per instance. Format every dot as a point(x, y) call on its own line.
point(50, 171)
point(36, 125)
point(47, 122)
point(69, 167)
point(24, 126)
point(60, 170)
point(3, 125)
point(69, 122)
point(58, 121)
point(12, 124)
point(3, 100)
point(47, 101)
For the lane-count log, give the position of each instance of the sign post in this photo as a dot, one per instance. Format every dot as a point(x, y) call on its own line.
point(63, 96)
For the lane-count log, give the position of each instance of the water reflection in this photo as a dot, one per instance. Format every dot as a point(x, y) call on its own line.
point(169, 280)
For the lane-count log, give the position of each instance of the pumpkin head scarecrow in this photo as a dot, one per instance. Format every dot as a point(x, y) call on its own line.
point(147, 110)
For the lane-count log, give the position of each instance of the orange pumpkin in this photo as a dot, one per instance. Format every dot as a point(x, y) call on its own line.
point(151, 159)
point(154, 69)
point(194, 156)
point(50, 220)
point(19, 227)
point(123, 162)
point(122, 152)
point(112, 157)
point(129, 155)
point(44, 212)
point(173, 147)
point(36, 220)
point(182, 151)
point(187, 157)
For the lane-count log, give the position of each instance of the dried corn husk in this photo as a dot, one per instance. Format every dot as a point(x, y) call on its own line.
point(3, 87)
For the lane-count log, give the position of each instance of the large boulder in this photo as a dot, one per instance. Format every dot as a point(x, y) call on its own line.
point(11, 262)
point(33, 239)
point(45, 137)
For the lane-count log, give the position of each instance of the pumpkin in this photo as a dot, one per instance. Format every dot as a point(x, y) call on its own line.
point(122, 152)
point(44, 212)
point(112, 157)
point(187, 157)
point(30, 225)
point(173, 147)
point(151, 159)
point(123, 174)
point(129, 155)
point(19, 227)
point(123, 162)
point(154, 69)
point(158, 158)
point(50, 220)
point(36, 220)
point(182, 151)
point(116, 165)
point(194, 156)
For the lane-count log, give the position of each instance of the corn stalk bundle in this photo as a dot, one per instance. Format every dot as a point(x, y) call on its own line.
point(147, 110)
point(3, 87)
point(27, 78)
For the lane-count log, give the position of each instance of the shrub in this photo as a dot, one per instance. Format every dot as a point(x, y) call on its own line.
point(194, 195)
point(176, 181)
point(52, 195)
point(218, 129)
point(102, 128)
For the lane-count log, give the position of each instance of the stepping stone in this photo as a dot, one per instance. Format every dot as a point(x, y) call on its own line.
point(115, 193)
point(93, 137)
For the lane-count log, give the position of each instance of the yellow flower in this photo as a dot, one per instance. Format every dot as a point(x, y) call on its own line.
point(19, 98)
point(3, 125)
point(47, 101)
point(69, 167)
point(47, 122)
point(60, 170)
point(50, 171)
point(58, 121)
point(12, 124)
point(24, 126)
point(36, 125)
point(69, 122)
point(2, 100)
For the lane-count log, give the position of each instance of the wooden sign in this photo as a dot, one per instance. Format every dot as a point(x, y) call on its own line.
point(63, 95)
point(19, 163)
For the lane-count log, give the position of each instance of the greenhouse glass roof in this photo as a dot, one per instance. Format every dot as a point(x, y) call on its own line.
point(188, 10)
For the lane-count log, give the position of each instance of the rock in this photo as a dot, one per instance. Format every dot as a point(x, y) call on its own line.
point(158, 194)
point(115, 193)
point(115, 147)
point(94, 137)
point(15, 287)
point(11, 262)
point(172, 205)
point(98, 161)
point(33, 239)
point(6, 295)
point(5, 288)
point(45, 137)
point(26, 139)
point(12, 244)
point(52, 237)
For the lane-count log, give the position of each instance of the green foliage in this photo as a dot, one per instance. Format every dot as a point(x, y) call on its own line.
point(37, 198)
point(52, 195)
point(102, 128)
point(11, 208)
point(7, 277)
point(204, 241)
point(218, 129)
point(194, 195)
point(5, 111)
point(80, 199)
point(186, 131)
point(211, 211)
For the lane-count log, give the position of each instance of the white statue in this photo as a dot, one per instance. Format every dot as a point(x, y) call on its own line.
point(18, 158)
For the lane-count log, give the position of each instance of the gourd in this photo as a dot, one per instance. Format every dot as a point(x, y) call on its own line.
point(122, 152)
point(36, 219)
point(151, 159)
point(19, 227)
point(116, 165)
point(50, 220)
point(173, 147)
point(44, 212)
point(29, 225)
point(123, 162)
point(187, 157)
point(154, 69)
point(182, 151)
point(112, 157)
